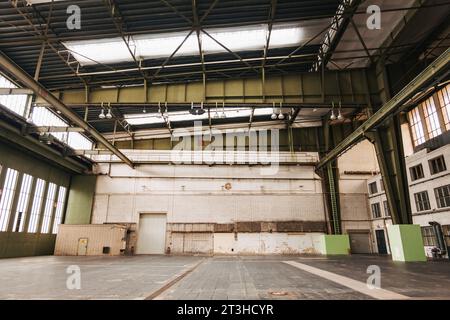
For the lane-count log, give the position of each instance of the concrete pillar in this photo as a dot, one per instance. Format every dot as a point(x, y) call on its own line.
point(406, 242)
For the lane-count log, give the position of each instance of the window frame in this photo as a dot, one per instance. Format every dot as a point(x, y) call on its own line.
point(422, 204)
point(416, 127)
point(433, 161)
point(376, 210)
point(441, 196)
point(413, 172)
point(387, 210)
point(428, 236)
point(373, 190)
point(431, 117)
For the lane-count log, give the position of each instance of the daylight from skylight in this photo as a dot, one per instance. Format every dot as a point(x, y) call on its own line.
point(156, 118)
point(114, 50)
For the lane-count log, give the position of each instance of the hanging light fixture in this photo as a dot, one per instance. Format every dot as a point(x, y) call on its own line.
point(333, 116)
point(340, 117)
point(102, 113)
point(281, 115)
point(216, 114)
point(166, 110)
point(109, 114)
point(274, 115)
point(145, 110)
point(159, 115)
point(223, 115)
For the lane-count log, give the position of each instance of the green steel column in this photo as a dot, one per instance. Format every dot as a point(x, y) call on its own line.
point(389, 149)
point(335, 214)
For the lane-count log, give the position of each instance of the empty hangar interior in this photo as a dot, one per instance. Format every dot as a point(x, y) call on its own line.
point(224, 128)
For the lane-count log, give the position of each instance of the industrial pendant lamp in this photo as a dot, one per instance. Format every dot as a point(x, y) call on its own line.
point(109, 114)
point(223, 115)
point(333, 116)
point(340, 117)
point(216, 114)
point(274, 115)
point(281, 115)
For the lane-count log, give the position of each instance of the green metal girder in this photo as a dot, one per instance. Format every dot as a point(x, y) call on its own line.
point(433, 73)
point(389, 149)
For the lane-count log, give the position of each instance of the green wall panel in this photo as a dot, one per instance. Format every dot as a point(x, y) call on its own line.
point(406, 243)
point(81, 197)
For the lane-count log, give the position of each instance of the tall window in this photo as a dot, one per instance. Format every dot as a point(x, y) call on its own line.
point(49, 205)
point(42, 116)
point(59, 209)
point(431, 118)
point(444, 100)
point(443, 196)
point(387, 211)
point(14, 102)
point(37, 204)
point(446, 232)
point(376, 211)
point(24, 196)
point(422, 201)
point(8, 192)
point(416, 127)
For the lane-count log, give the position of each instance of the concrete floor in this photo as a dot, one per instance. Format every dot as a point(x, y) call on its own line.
point(243, 277)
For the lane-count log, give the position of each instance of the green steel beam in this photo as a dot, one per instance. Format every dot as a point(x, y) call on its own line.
point(41, 91)
point(393, 106)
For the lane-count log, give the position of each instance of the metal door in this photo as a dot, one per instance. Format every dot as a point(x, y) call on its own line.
point(360, 242)
point(82, 246)
point(381, 241)
point(152, 234)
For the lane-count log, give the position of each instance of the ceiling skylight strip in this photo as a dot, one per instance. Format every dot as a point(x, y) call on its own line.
point(114, 50)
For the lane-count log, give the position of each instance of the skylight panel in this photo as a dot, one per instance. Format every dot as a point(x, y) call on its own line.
point(42, 116)
point(253, 38)
point(14, 102)
point(156, 46)
point(141, 119)
point(148, 119)
point(114, 50)
point(104, 51)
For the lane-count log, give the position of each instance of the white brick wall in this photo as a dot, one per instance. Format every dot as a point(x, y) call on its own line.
point(195, 194)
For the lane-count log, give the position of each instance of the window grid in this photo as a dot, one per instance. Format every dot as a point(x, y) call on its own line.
point(422, 201)
point(416, 172)
point(49, 205)
point(59, 209)
point(376, 211)
point(373, 189)
point(19, 218)
point(437, 165)
point(387, 211)
point(431, 118)
point(36, 207)
point(428, 235)
point(444, 100)
point(42, 116)
point(442, 196)
point(14, 102)
point(416, 127)
point(7, 197)
point(446, 232)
